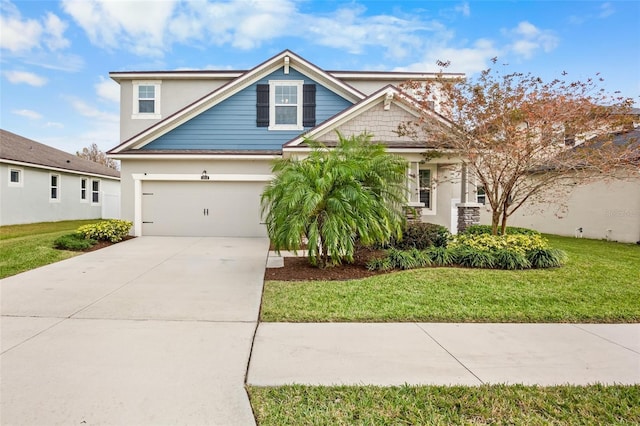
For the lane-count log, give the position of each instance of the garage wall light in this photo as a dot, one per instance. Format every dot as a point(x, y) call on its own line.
point(204, 175)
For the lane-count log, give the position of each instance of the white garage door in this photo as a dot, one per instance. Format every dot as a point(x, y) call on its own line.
point(205, 208)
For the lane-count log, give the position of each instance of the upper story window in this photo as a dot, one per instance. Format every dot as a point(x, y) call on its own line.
point(286, 105)
point(54, 194)
point(285, 112)
point(15, 177)
point(146, 99)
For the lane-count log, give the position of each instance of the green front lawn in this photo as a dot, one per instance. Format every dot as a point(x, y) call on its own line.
point(446, 405)
point(25, 247)
point(600, 283)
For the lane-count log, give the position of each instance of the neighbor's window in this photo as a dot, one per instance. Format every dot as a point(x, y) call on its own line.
point(55, 187)
point(146, 99)
point(15, 177)
point(481, 195)
point(285, 111)
point(424, 183)
point(95, 191)
point(83, 189)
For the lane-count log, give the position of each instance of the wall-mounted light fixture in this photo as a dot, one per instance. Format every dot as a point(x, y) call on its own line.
point(204, 176)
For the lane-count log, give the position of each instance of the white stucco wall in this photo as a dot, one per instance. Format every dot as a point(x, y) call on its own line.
point(604, 210)
point(30, 202)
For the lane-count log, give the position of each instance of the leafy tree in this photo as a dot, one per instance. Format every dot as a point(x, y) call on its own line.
point(334, 197)
point(93, 153)
point(519, 134)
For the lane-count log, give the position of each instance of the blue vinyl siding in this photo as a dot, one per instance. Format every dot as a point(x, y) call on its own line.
point(231, 124)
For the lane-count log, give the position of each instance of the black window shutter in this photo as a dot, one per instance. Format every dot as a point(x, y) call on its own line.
point(309, 105)
point(262, 105)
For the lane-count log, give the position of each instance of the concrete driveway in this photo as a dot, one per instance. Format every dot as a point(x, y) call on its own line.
point(154, 330)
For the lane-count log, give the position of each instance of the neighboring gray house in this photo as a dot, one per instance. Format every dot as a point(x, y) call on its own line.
point(198, 146)
point(607, 209)
point(39, 183)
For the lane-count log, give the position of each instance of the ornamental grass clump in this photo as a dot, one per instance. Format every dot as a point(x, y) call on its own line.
point(113, 230)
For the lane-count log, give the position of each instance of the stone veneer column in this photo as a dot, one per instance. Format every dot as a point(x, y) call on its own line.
point(468, 214)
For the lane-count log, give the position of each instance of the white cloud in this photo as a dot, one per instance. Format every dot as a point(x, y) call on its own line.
point(467, 60)
point(23, 35)
point(243, 24)
point(18, 34)
point(606, 9)
point(54, 124)
point(32, 115)
point(527, 40)
point(17, 77)
point(464, 9)
point(90, 111)
point(137, 25)
point(108, 90)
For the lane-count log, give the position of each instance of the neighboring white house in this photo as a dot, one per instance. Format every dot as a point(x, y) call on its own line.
point(198, 146)
point(39, 183)
point(608, 209)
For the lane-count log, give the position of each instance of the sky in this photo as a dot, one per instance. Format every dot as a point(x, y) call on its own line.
point(55, 56)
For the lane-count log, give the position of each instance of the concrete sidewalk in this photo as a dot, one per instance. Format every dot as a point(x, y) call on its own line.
point(445, 354)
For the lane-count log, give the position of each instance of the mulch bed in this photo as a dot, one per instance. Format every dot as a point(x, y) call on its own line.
point(103, 244)
point(299, 269)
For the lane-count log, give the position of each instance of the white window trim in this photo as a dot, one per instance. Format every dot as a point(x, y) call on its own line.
point(146, 115)
point(413, 186)
point(20, 182)
point(58, 186)
point(272, 105)
point(99, 192)
point(434, 195)
point(86, 190)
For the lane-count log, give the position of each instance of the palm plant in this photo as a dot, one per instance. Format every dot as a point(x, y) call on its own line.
point(335, 197)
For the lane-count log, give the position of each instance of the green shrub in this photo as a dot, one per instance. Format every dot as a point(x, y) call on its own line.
point(470, 257)
point(440, 256)
point(510, 259)
point(421, 236)
point(547, 258)
point(75, 242)
point(113, 230)
point(486, 229)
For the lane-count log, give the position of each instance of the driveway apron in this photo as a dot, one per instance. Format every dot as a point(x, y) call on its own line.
point(151, 331)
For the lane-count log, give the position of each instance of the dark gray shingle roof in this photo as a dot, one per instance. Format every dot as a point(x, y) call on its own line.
point(17, 148)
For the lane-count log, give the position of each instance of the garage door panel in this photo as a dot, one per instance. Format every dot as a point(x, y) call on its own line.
point(209, 208)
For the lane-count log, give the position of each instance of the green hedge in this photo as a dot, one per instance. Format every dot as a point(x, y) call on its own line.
point(421, 236)
point(486, 229)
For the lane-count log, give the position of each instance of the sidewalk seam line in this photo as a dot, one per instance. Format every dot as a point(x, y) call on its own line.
point(35, 335)
point(447, 351)
point(605, 339)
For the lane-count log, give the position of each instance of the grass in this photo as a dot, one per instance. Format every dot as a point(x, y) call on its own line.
point(444, 405)
point(30, 246)
point(599, 284)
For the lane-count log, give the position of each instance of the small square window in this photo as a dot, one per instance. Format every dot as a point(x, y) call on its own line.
point(146, 99)
point(15, 177)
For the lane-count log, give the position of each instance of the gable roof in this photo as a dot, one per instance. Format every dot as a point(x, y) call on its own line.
point(388, 94)
point(283, 59)
point(16, 149)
